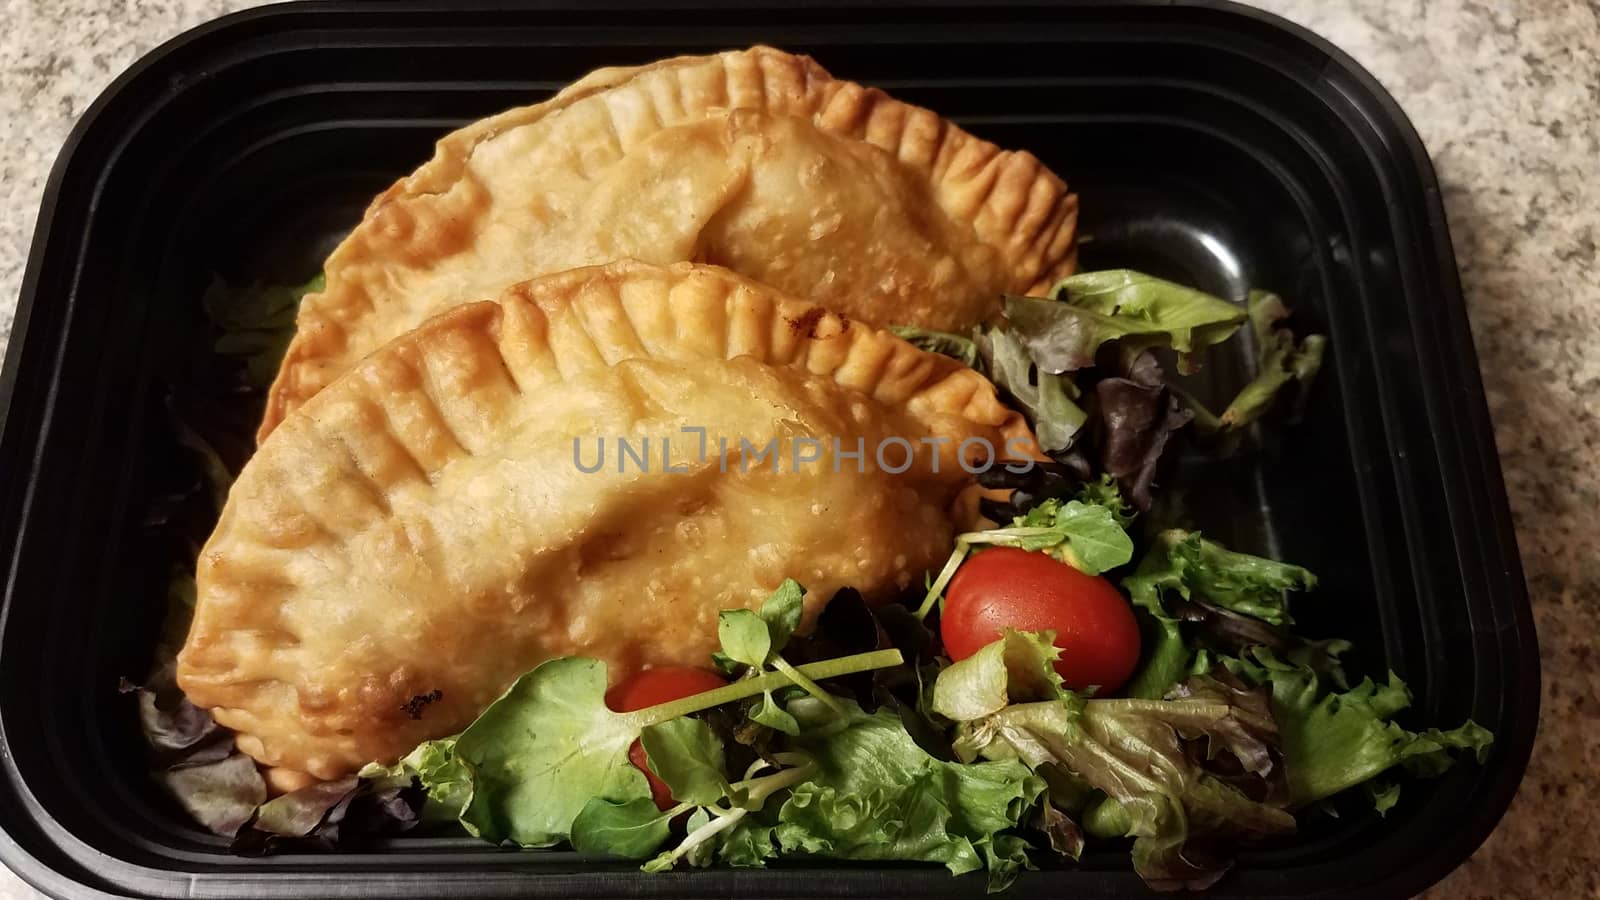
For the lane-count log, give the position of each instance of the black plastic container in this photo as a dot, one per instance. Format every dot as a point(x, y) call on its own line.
point(1207, 141)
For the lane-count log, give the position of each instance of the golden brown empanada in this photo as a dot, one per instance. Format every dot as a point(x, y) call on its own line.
point(757, 160)
point(425, 527)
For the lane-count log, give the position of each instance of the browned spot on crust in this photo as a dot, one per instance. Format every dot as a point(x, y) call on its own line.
point(416, 704)
point(807, 323)
point(809, 320)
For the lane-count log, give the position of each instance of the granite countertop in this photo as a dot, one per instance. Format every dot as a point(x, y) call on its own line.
point(1507, 98)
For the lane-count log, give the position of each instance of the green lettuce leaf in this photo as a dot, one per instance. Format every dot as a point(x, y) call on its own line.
point(1336, 740)
point(745, 636)
point(1006, 855)
point(221, 795)
point(769, 712)
point(539, 756)
point(1091, 308)
point(688, 756)
point(782, 610)
point(632, 829)
point(955, 346)
point(748, 844)
point(740, 833)
point(1083, 535)
point(542, 751)
point(1046, 399)
point(1246, 584)
point(876, 795)
point(753, 638)
point(1279, 361)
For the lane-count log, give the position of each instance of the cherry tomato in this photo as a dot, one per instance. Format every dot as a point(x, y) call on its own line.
point(649, 688)
point(1005, 587)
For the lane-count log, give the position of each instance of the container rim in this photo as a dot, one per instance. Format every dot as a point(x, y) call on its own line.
point(1336, 68)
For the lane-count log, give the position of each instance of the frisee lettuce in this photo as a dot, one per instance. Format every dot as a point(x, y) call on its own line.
point(1333, 741)
point(1017, 668)
point(435, 767)
point(876, 795)
point(1184, 564)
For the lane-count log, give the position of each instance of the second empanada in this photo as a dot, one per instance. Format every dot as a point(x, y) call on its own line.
point(757, 160)
point(444, 517)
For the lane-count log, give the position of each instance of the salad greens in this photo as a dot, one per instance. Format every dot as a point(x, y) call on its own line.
point(876, 795)
point(1018, 667)
point(1117, 413)
point(1141, 415)
point(944, 343)
point(1048, 399)
point(1185, 565)
point(1161, 765)
point(1333, 741)
point(1042, 341)
point(1089, 309)
point(1279, 360)
point(1201, 756)
point(542, 751)
point(550, 745)
point(196, 760)
point(435, 767)
point(256, 321)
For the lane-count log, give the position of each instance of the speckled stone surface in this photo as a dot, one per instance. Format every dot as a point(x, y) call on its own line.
point(1507, 98)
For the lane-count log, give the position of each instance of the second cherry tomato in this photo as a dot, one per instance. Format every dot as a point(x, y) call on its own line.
point(650, 688)
point(1006, 587)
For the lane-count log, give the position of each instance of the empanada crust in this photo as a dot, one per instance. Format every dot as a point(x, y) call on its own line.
point(757, 160)
point(422, 525)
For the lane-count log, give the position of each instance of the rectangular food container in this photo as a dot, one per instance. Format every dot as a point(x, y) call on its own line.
point(1208, 142)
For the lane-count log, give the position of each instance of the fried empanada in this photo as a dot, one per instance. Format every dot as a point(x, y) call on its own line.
point(757, 160)
point(426, 529)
